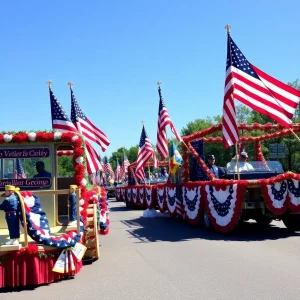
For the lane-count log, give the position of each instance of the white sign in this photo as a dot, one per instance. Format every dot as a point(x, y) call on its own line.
point(78, 251)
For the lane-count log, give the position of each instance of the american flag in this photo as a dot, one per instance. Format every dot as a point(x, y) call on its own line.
point(163, 121)
point(118, 170)
point(86, 127)
point(256, 89)
point(61, 122)
point(125, 165)
point(144, 154)
point(19, 172)
point(107, 168)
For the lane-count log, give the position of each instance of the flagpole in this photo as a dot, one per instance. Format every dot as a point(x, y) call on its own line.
point(237, 161)
point(159, 84)
point(148, 161)
point(70, 84)
point(49, 83)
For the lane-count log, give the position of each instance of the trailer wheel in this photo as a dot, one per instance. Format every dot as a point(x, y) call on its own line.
point(263, 221)
point(292, 222)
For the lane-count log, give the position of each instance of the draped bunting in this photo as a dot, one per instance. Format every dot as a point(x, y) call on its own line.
point(161, 198)
point(275, 196)
point(38, 226)
point(224, 205)
point(134, 195)
point(193, 203)
point(294, 195)
point(282, 195)
point(148, 197)
point(171, 199)
point(128, 194)
point(141, 195)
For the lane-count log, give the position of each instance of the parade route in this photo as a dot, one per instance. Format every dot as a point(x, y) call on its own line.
point(163, 258)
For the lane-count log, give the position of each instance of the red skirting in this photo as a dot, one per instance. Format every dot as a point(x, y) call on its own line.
point(25, 270)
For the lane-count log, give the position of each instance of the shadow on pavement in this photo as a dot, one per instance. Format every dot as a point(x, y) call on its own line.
point(174, 230)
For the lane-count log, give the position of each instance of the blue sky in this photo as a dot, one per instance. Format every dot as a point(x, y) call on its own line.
point(116, 51)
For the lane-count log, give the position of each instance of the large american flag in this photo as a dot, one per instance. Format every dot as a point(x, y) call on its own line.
point(19, 172)
point(61, 122)
point(107, 168)
point(86, 127)
point(163, 121)
point(256, 89)
point(144, 154)
point(125, 165)
point(118, 170)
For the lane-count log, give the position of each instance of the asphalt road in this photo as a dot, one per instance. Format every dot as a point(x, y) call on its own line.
point(162, 258)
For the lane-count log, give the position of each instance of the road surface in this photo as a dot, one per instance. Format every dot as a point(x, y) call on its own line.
point(163, 258)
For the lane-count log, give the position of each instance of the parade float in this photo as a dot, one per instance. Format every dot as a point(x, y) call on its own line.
point(264, 193)
point(55, 238)
point(139, 194)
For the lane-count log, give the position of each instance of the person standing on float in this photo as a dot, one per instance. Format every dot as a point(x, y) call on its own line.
point(10, 206)
point(72, 205)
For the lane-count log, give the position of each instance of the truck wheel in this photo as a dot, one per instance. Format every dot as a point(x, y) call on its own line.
point(292, 222)
point(263, 221)
point(206, 221)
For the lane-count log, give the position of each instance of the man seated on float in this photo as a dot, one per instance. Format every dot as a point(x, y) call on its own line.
point(41, 172)
point(242, 163)
point(218, 172)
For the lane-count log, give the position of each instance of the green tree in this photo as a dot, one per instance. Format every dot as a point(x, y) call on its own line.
point(65, 166)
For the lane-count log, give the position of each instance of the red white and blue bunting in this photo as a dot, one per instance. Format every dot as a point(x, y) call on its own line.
point(141, 195)
point(149, 196)
point(282, 195)
point(275, 196)
point(294, 195)
point(134, 195)
point(38, 226)
point(128, 190)
point(171, 199)
point(161, 198)
point(192, 201)
point(224, 205)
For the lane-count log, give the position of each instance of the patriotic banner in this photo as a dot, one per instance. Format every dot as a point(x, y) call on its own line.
point(282, 195)
point(171, 199)
point(148, 196)
point(134, 195)
point(161, 197)
point(193, 203)
point(142, 195)
point(224, 205)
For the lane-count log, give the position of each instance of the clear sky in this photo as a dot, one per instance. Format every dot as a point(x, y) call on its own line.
point(116, 51)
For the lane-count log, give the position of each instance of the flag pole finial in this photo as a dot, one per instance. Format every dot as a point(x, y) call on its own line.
point(158, 83)
point(70, 84)
point(228, 27)
point(49, 82)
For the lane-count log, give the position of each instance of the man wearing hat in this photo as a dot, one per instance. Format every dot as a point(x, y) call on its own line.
point(243, 165)
point(9, 206)
point(72, 205)
point(218, 172)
